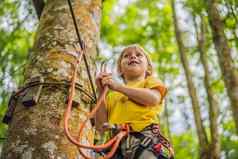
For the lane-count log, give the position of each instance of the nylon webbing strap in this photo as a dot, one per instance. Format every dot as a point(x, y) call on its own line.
point(144, 144)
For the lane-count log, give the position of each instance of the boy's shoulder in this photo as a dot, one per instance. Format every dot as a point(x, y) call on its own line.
point(153, 79)
point(156, 83)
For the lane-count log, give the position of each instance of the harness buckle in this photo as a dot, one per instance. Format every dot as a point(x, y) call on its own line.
point(33, 94)
point(155, 129)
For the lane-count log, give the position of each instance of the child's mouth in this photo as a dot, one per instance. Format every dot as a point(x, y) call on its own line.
point(133, 63)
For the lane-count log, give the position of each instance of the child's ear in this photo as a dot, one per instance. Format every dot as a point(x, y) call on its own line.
point(148, 73)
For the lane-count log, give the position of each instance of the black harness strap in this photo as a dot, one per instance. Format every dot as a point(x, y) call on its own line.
point(145, 143)
point(21, 92)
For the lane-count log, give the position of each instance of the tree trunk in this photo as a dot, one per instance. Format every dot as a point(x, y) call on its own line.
point(232, 13)
point(202, 137)
point(37, 132)
point(230, 74)
point(213, 103)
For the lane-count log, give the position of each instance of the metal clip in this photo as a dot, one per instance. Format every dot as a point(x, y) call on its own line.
point(10, 110)
point(103, 67)
point(33, 93)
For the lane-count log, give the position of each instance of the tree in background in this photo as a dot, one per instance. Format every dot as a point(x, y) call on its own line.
point(229, 72)
point(213, 103)
point(230, 20)
point(202, 136)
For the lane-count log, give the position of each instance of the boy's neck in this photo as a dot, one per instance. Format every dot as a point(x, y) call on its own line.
point(134, 79)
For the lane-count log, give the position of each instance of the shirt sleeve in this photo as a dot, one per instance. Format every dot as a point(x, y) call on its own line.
point(154, 83)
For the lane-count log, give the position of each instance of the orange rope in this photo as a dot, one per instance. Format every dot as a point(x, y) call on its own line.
point(113, 143)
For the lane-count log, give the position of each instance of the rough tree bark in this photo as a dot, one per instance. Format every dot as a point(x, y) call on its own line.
point(202, 137)
point(37, 132)
point(230, 73)
point(213, 103)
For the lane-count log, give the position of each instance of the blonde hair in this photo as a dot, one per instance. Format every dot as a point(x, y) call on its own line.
point(138, 48)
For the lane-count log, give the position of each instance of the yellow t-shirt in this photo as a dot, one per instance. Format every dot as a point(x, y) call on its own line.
point(123, 110)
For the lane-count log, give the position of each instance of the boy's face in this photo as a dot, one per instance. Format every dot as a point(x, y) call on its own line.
point(133, 63)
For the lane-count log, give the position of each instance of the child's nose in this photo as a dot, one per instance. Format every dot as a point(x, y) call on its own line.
point(132, 56)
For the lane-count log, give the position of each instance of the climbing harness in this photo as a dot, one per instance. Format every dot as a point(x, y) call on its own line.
point(145, 144)
point(146, 141)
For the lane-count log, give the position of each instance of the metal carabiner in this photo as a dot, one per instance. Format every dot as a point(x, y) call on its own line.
point(103, 67)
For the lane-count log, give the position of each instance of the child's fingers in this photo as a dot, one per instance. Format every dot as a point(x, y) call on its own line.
point(100, 76)
point(102, 81)
point(103, 74)
point(106, 81)
point(106, 78)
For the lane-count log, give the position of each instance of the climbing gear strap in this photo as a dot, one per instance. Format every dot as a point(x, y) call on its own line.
point(149, 141)
point(28, 102)
point(155, 129)
point(145, 142)
point(10, 110)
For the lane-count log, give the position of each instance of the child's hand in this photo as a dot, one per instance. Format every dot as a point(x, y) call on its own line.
point(105, 79)
point(99, 81)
